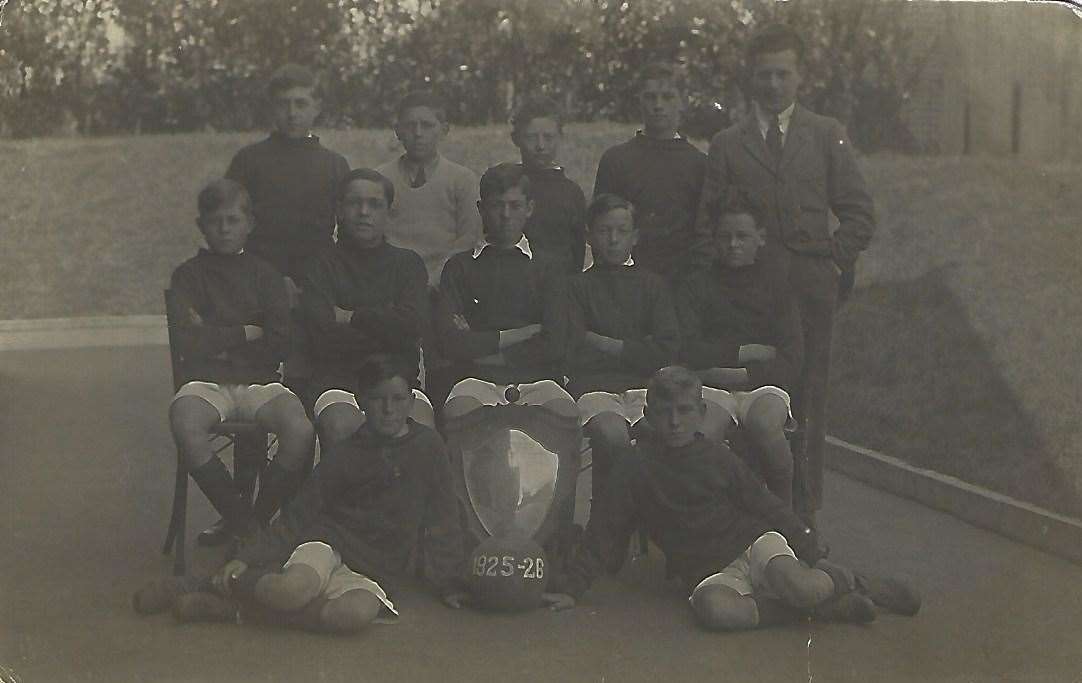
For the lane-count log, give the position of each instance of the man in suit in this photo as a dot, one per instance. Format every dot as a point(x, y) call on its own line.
point(801, 167)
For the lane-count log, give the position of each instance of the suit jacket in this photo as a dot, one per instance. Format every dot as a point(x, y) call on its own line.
point(818, 173)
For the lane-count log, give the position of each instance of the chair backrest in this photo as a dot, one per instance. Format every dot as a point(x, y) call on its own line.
point(175, 359)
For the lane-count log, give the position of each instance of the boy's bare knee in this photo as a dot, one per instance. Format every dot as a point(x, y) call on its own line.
point(290, 590)
point(797, 585)
point(350, 612)
point(720, 608)
point(611, 428)
point(766, 415)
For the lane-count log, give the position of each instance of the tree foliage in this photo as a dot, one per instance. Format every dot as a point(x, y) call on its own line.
point(132, 65)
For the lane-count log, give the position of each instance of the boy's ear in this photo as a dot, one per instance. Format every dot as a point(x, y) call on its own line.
point(529, 208)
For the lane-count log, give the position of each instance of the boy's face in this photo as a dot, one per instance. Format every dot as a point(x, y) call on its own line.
point(538, 142)
point(363, 213)
point(612, 237)
point(420, 131)
point(775, 79)
point(662, 106)
point(387, 406)
point(738, 240)
point(504, 217)
point(295, 110)
point(226, 228)
point(676, 419)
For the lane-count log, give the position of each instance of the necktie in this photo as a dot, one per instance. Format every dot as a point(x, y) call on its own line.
point(419, 179)
point(773, 140)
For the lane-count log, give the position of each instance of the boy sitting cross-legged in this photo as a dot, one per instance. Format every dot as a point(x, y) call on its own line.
point(743, 337)
point(500, 315)
point(743, 555)
point(231, 317)
point(361, 297)
point(622, 328)
point(323, 565)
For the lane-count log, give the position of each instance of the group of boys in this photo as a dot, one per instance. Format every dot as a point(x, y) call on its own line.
point(476, 290)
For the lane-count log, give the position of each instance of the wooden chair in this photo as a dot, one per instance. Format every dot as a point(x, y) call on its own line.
point(223, 436)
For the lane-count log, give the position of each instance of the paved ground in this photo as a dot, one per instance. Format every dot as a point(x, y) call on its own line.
point(85, 481)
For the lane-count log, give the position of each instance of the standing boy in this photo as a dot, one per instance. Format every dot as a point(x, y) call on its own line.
point(361, 297)
point(661, 173)
point(232, 327)
point(325, 563)
point(732, 544)
point(743, 339)
point(290, 176)
point(622, 327)
point(801, 167)
point(556, 228)
point(434, 214)
point(500, 316)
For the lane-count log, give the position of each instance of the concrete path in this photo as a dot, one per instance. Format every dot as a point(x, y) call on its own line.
point(86, 468)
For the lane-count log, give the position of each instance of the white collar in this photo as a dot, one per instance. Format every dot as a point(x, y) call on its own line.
point(783, 119)
point(523, 246)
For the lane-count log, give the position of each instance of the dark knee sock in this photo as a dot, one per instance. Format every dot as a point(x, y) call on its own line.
point(217, 485)
point(775, 613)
point(780, 482)
point(249, 458)
point(601, 455)
point(276, 489)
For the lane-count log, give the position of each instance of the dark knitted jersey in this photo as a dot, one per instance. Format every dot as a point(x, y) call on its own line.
point(368, 498)
point(557, 227)
point(385, 288)
point(628, 303)
point(502, 289)
point(722, 309)
point(663, 179)
point(699, 503)
point(215, 296)
point(292, 184)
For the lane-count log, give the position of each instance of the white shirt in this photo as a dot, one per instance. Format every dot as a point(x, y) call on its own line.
point(764, 120)
point(523, 246)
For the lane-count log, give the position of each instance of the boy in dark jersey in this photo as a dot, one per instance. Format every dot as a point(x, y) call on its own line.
point(231, 318)
point(323, 565)
point(743, 555)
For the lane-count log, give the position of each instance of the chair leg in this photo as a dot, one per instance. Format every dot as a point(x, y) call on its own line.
point(174, 537)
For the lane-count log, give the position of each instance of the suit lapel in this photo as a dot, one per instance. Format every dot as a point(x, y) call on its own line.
point(795, 138)
point(753, 141)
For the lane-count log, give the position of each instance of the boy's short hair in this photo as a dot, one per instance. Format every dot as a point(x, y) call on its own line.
point(671, 382)
point(606, 202)
point(422, 98)
point(736, 201)
point(774, 38)
point(662, 71)
point(222, 192)
point(536, 107)
point(381, 367)
point(292, 76)
point(372, 176)
point(503, 177)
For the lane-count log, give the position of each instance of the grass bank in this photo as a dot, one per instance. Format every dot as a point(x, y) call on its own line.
point(958, 351)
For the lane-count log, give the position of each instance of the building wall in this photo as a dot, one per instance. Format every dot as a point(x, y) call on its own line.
point(985, 58)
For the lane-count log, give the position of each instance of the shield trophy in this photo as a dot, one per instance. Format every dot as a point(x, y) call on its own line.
point(516, 468)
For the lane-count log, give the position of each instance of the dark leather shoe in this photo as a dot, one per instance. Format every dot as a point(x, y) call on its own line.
point(199, 606)
point(891, 593)
point(851, 608)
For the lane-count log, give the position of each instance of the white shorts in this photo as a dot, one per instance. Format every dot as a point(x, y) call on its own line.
point(234, 401)
point(737, 403)
point(747, 574)
point(489, 394)
point(629, 404)
point(336, 579)
point(332, 396)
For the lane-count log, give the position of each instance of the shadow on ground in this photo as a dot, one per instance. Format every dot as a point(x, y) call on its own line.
point(911, 378)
